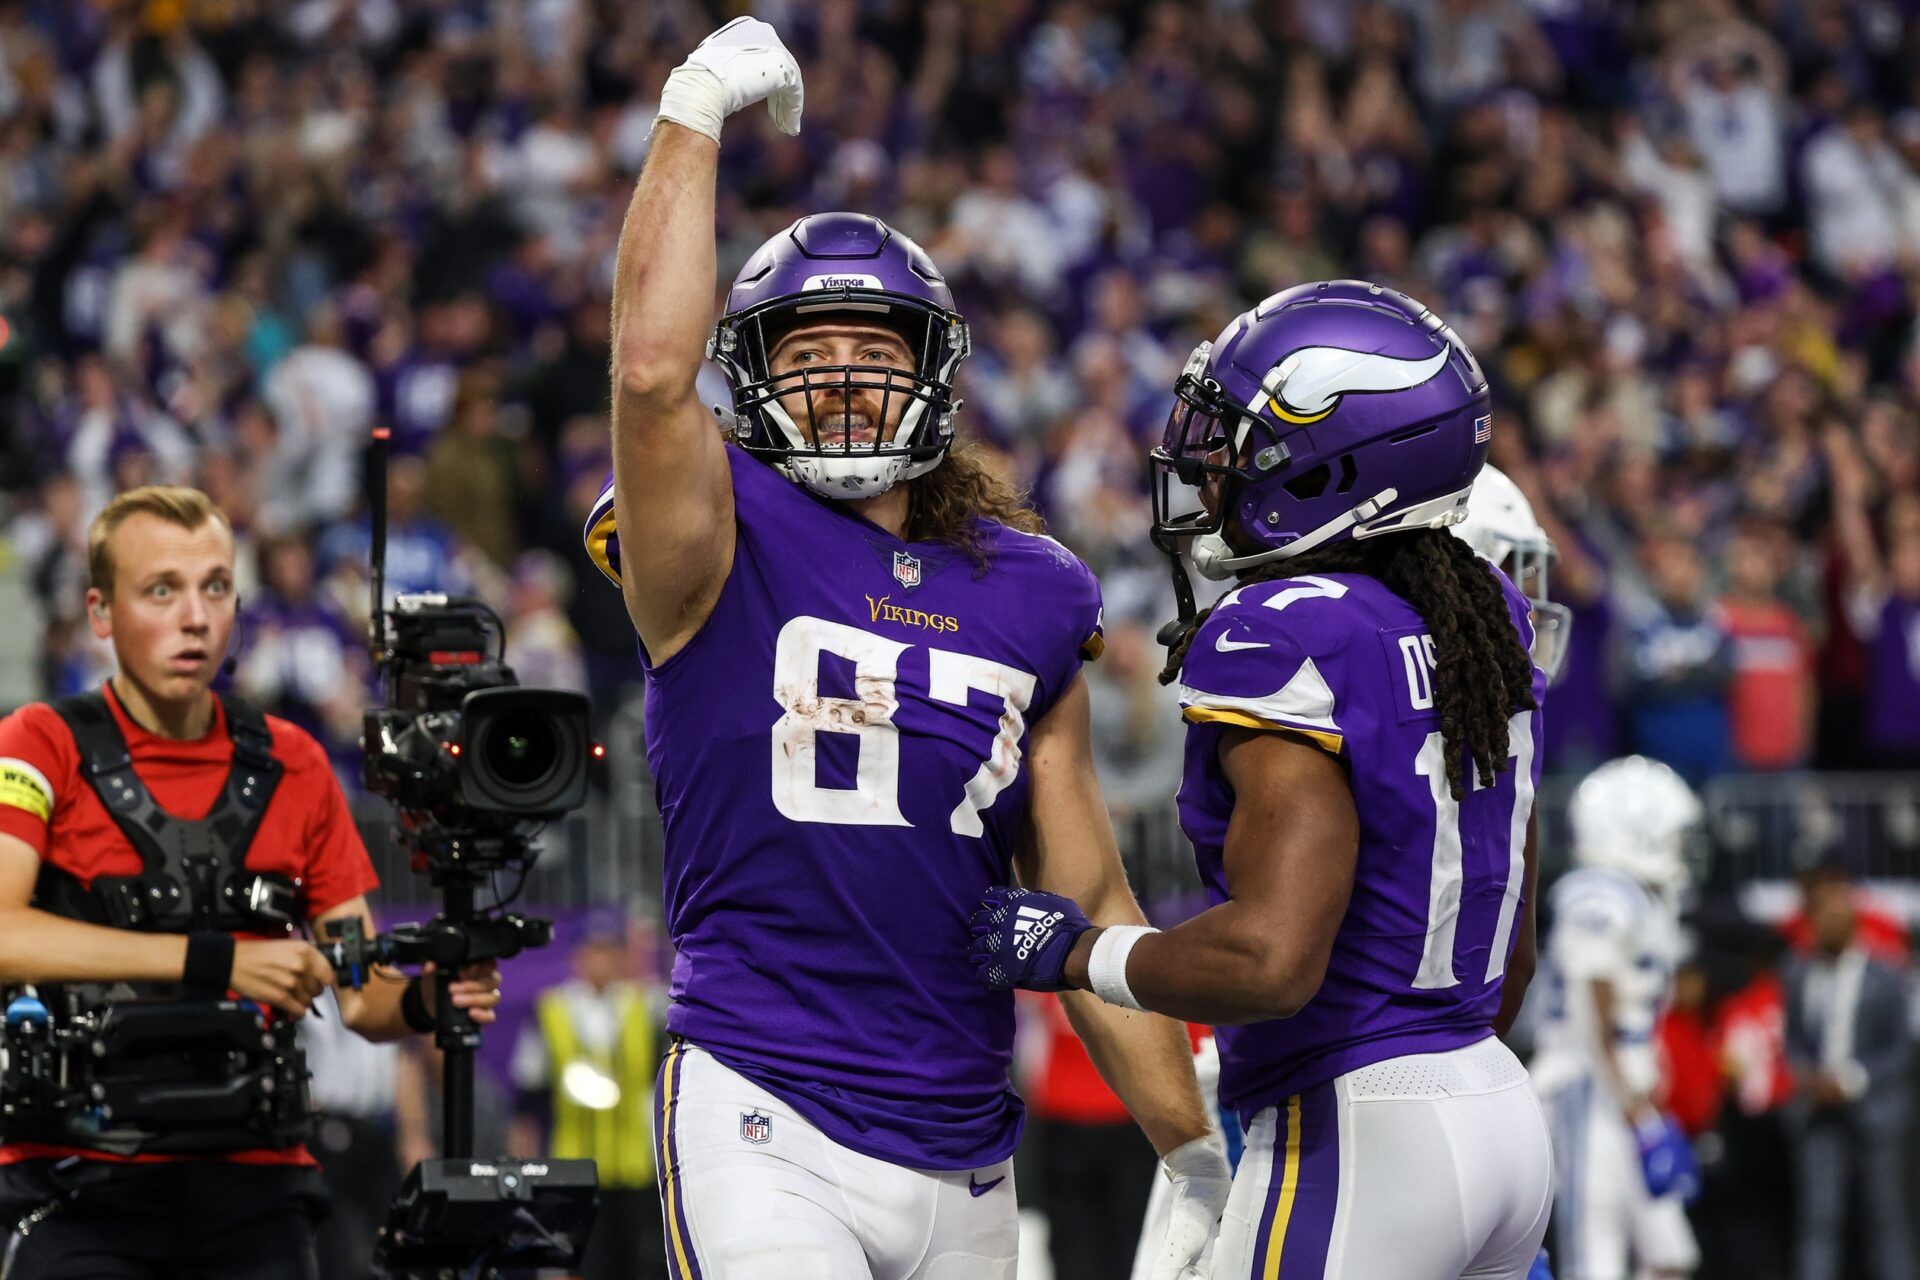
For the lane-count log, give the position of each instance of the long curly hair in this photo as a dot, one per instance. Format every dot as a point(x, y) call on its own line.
point(1482, 674)
point(946, 504)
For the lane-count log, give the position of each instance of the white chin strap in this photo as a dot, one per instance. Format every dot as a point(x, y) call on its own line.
point(854, 474)
point(1214, 559)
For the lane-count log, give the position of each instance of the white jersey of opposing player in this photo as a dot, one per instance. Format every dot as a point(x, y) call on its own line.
point(1606, 925)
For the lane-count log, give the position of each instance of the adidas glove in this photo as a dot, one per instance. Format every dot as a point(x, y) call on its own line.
point(1021, 938)
point(737, 66)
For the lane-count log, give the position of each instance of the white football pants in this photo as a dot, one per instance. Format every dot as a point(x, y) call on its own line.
point(1605, 1225)
point(751, 1191)
point(1433, 1166)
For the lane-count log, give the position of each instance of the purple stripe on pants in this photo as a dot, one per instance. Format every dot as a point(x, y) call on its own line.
point(1276, 1187)
point(1315, 1200)
point(673, 1190)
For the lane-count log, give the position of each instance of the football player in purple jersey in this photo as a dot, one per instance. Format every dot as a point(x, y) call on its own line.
point(864, 707)
point(1360, 770)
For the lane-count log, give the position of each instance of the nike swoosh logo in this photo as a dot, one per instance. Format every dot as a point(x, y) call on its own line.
point(1227, 644)
point(981, 1188)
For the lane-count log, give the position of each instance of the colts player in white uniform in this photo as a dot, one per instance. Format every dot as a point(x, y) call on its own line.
point(1624, 1169)
point(1502, 529)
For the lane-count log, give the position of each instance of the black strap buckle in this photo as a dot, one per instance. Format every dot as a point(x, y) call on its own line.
point(140, 902)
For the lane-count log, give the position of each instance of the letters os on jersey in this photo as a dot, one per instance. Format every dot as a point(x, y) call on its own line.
point(1340, 660)
point(837, 757)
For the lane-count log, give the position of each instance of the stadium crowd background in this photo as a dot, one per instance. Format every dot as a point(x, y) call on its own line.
point(1683, 238)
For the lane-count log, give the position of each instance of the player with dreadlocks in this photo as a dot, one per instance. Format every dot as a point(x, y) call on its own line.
point(1360, 770)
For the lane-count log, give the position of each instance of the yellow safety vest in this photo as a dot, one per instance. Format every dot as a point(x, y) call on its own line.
point(619, 1138)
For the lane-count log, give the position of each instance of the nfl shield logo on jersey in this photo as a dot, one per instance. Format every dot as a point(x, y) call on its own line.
point(755, 1128)
point(906, 569)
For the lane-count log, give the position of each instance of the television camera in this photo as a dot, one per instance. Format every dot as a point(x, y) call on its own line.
point(473, 764)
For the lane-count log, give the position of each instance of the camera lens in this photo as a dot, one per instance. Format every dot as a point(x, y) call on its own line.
point(526, 752)
point(520, 748)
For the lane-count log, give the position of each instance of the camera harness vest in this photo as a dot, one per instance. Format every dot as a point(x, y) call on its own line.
point(195, 874)
point(194, 878)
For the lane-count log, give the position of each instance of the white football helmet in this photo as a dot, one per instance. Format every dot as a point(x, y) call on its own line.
point(1637, 816)
point(1500, 526)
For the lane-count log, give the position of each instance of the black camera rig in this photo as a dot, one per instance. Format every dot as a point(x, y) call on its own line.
point(473, 764)
point(91, 1066)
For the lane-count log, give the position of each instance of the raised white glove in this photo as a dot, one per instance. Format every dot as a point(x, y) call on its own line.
point(737, 66)
point(1201, 1179)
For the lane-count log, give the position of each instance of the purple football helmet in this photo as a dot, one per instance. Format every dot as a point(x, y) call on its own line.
point(844, 266)
point(1334, 410)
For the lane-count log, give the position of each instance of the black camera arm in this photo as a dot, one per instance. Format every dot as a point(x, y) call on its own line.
point(449, 947)
point(451, 943)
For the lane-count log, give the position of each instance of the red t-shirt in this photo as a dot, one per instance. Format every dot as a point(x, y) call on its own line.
point(1695, 1083)
point(1772, 685)
point(1751, 1035)
point(306, 833)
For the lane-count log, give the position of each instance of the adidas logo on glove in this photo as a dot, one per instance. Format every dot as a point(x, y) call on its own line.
point(1032, 927)
point(1022, 938)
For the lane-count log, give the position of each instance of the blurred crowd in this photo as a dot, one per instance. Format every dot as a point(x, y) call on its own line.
point(1682, 236)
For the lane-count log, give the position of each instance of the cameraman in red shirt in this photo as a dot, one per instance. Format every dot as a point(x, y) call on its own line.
point(231, 832)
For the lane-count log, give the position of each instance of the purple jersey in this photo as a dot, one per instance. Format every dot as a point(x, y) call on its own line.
point(1893, 681)
point(1417, 965)
point(837, 756)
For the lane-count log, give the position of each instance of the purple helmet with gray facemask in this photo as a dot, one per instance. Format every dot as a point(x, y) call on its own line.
point(851, 268)
point(1330, 411)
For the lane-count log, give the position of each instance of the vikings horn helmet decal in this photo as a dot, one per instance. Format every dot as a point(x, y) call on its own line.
point(1307, 385)
point(845, 267)
point(1335, 410)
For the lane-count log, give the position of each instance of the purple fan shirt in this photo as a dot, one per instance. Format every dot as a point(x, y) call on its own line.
point(837, 756)
point(1893, 682)
point(1418, 962)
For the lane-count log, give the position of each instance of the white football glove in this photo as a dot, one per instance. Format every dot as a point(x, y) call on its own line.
point(1200, 1180)
point(737, 66)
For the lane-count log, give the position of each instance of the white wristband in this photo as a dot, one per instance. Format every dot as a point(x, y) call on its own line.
point(1107, 965)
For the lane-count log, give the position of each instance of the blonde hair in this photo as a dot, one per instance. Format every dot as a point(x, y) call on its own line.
point(176, 504)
